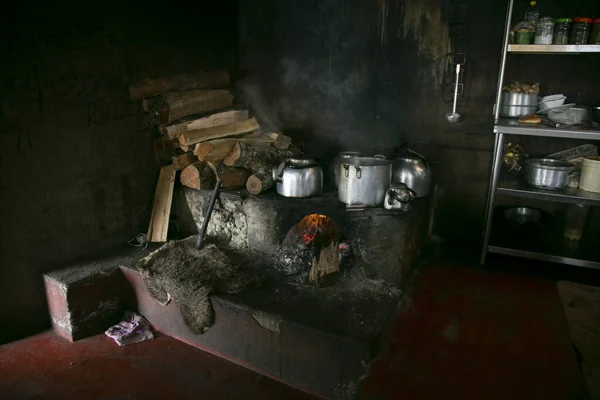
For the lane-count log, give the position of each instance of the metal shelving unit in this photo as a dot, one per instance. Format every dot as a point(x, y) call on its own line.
point(552, 247)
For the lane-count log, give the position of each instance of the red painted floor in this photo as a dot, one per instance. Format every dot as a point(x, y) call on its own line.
point(47, 366)
point(476, 333)
point(463, 332)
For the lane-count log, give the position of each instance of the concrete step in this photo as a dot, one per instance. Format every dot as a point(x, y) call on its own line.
point(305, 338)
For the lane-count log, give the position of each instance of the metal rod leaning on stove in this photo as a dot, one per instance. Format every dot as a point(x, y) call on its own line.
point(211, 206)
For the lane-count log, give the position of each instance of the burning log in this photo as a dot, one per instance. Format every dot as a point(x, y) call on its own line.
point(199, 135)
point(173, 106)
point(200, 80)
point(326, 261)
point(219, 119)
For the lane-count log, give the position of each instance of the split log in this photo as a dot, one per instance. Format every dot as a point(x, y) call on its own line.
point(183, 160)
point(174, 106)
point(197, 176)
point(280, 141)
point(200, 135)
point(219, 119)
point(161, 210)
point(200, 80)
point(216, 150)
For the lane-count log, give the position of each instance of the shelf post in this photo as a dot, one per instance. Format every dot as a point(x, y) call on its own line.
point(489, 210)
point(503, 59)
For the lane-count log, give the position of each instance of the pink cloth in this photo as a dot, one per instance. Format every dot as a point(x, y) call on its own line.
point(133, 329)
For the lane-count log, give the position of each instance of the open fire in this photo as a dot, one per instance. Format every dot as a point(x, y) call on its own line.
point(313, 248)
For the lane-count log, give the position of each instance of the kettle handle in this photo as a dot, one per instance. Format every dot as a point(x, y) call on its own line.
point(416, 154)
point(278, 172)
point(412, 193)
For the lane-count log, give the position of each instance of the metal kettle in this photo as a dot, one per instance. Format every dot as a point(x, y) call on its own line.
point(411, 168)
point(300, 176)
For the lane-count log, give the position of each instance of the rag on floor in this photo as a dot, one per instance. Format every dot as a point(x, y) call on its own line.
point(133, 329)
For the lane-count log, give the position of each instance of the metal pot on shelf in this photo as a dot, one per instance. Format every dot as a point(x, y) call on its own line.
point(515, 105)
point(411, 168)
point(299, 177)
point(334, 165)
point(364, 180)
point(547, 173)
point(398, 197)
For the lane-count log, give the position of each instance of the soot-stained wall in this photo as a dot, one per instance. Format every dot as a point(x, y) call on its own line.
point(368, 75)
point(77, 171)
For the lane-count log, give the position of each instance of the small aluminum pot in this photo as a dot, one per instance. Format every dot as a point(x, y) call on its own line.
point(547, 173)
point(515, 105)
point(299, 177)
point(364, 180)
point(398, 197)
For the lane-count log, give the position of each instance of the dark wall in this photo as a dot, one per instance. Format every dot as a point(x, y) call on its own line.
point(76, 165)
point(368, 75)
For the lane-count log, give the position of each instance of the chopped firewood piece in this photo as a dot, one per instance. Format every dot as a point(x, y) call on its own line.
point(200, 80)
point(200, 135)
point(216, 150)
point(223, 118)
point(198, 176)
point(173, 106)
point(163, 197)
point(183, 160)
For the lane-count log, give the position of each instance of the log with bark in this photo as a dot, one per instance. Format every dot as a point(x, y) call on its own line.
point(198, 176)
point(199, 135)
point(259, 160)
point(161, 210)
point(200, 80)
point(164, 149)
point(216, 150)
point(280, 141)
point(173, 106)
point(223, 118)
point(181, 161)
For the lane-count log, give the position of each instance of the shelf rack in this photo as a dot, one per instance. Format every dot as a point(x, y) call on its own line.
point(552, 247)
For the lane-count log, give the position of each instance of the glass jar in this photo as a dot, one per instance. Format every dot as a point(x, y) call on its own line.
point(544, 31)
point(580, 31)
point(562, 30)
point(575, 221)
point(595, 35)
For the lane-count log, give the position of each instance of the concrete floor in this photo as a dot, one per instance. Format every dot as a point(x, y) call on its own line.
point(462, 332)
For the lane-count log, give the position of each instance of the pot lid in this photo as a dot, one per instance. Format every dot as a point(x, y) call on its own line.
point(301, 160)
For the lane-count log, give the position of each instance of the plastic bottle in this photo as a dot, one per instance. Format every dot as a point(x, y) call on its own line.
point(532, 14)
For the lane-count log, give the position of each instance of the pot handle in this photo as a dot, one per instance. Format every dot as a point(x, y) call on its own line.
point(381, 156)
point(347, 170)
point(278, 172)
point(412, 194)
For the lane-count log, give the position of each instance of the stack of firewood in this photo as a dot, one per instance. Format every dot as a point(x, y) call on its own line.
point(198, 123)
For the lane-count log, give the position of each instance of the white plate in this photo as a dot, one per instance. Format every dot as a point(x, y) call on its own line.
point(563, 107)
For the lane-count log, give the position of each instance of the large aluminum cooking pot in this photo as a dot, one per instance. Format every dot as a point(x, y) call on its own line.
point(412, 169)
point(334, 166)
point(515, 105)
point(300, 176)
point(364, 180)
point(547, 173)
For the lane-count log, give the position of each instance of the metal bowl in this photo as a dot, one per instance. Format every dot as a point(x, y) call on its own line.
point(523, 215)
